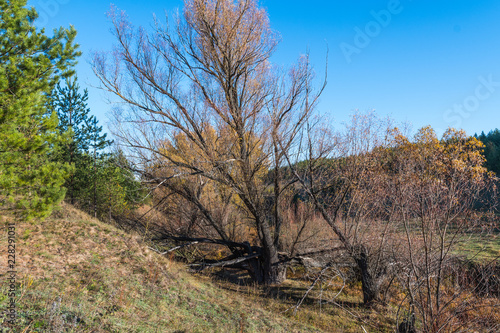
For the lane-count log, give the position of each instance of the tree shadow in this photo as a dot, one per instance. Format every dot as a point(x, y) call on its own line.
point(289, 293)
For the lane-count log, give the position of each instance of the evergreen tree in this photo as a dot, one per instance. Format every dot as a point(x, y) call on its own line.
point(31, 63)
point(492, 149)
point(82, 127)
point(101, 183)
point(117, 191)
point(71, 108)
point(106, 186)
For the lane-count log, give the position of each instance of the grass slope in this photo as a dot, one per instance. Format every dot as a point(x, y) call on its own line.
point(76, 274)
point(480, 247)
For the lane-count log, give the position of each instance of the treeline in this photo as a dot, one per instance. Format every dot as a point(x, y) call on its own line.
point(492, 149)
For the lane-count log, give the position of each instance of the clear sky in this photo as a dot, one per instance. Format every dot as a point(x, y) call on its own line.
point(425, 62)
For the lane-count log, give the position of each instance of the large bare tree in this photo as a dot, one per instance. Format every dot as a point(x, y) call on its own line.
point(204, 105)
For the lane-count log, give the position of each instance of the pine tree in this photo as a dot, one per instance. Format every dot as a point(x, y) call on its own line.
point(117, 191)
point(97, 142)
point(101, 182)
point(492, 149)
point(31, 63)
point(86, 138)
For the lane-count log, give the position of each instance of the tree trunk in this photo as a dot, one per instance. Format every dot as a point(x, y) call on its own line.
point(369, 283)
point(264, 270)
point(274, 272)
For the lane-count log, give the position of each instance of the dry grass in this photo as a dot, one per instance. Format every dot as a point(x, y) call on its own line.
point(76, 274)
point(321, 309)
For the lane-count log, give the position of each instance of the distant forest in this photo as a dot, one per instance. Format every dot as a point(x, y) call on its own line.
point(492, 149)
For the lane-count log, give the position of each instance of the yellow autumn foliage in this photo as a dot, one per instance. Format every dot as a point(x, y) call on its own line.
point(432, 159)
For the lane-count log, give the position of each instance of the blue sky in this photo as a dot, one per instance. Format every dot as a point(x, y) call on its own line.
point(425, 62)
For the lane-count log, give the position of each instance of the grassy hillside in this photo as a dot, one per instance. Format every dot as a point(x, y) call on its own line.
point(76, 274)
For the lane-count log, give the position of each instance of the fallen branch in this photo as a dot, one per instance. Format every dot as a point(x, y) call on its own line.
point(245, 245)
point(226, 262)
point(313, 252)
point(174, 248)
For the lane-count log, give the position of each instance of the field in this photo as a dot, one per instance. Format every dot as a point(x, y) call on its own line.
point(480, 247)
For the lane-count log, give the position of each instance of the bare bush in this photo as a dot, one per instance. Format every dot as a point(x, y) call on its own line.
point(436, 186)
point(344, 179)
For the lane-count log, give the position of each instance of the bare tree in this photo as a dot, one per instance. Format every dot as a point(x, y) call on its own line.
point(204, 88)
